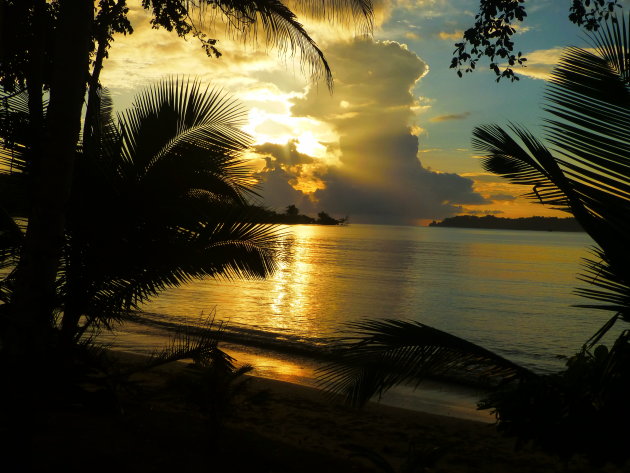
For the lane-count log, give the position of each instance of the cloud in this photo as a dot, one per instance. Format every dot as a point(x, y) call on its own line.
point(452, 116)
point(284, 155)
point(289, 176)
point(502, 197)
point(541, 62)
point(454, 36)
point(379, 177)
point(483, 212)
point(150, 54)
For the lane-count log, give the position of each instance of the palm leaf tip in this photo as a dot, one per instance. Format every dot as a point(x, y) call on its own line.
point(381, 354)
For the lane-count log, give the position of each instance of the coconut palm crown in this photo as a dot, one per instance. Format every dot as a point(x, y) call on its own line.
point(158, 199)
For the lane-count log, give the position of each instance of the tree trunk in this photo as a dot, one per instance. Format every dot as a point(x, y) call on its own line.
point(32, 371)
point(33, 298)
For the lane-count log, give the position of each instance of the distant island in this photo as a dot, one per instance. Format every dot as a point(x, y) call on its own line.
point(548, 224)
point(292, 216)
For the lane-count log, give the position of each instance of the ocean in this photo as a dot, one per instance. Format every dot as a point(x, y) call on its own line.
point(509, 291)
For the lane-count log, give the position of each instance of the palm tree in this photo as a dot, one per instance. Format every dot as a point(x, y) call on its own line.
point(158, 199)
point(587, 173)
point(582, 409)
point(82, 33)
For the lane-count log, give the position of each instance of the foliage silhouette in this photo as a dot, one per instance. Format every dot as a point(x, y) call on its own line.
point(587, 173)
point(292, 211)
point(497, 21)
point(581, 410)
point(381, 354)
point(521, 223)
point(159, 198)
point(61, 49)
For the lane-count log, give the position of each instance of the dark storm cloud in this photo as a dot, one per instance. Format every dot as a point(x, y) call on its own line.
point(287, 154)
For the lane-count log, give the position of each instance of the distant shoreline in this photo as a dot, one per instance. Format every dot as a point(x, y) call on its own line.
point(490, 222)
point(291, 216)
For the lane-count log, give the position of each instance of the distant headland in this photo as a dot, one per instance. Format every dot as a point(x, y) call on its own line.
point(292, 216)
point(500, 223)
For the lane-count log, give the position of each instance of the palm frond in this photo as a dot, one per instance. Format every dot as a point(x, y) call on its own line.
point(11, 239)
point(178, 126)
point(613, 44)
point(345, 12)
point(280, 29)
point(160, 203)
point(523, 160)
point(588, 170)
point(591, 105)
point(125, 272)
point(15, 136)
point(202, 347)
point(14, 145)
point(385, 353)
point(607, 285)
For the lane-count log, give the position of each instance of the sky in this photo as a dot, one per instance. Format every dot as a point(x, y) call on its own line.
point(392, 143)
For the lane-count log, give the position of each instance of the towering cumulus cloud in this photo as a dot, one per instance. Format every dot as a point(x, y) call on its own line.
point(379, 177)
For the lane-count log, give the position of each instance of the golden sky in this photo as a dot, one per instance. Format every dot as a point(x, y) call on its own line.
point(391, 144)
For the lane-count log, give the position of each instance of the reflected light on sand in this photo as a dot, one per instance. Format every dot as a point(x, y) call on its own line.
point(274, 367)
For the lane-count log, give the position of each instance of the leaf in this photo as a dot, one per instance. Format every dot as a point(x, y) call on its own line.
point(381, 354)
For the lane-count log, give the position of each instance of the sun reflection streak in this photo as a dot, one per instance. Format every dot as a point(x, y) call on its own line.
point(290, 299)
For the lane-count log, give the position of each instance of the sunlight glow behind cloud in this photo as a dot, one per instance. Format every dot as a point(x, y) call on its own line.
point(362, 143)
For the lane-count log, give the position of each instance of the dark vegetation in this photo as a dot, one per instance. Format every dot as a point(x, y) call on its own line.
point(500, 223)
point(583, 410)
point(292, 216)
point(95, 220)
point(496, 22)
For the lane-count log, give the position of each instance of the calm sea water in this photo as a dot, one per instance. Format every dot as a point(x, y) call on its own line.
point(510, 291)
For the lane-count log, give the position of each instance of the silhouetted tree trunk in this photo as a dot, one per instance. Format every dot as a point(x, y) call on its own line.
point(31, 376)
point(35, 78)
point(33, 298)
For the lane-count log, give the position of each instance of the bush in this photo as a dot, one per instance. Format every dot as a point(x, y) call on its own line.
point(584, 409)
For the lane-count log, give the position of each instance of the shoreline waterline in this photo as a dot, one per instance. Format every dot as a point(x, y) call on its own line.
point(434, 397)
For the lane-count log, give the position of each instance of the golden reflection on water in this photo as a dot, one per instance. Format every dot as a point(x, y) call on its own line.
point(290, 284)
point(509, 291)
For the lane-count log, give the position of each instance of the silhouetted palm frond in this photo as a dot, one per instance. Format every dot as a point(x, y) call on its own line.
point(588, 170)
point(586, 173)
point(202, 347)
point(275, 22)
point(160, 202)
point(180, 134)
point(522, 160)
point(14, 137)
point(129, 273)
point(385, 353)
point(358, 12)
point(613, 44)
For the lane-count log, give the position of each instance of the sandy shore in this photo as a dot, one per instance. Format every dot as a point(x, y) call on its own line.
point(440, 398)
point(275, 426)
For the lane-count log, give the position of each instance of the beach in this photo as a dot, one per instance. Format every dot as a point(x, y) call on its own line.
point(448, 399)
point(274, 426)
